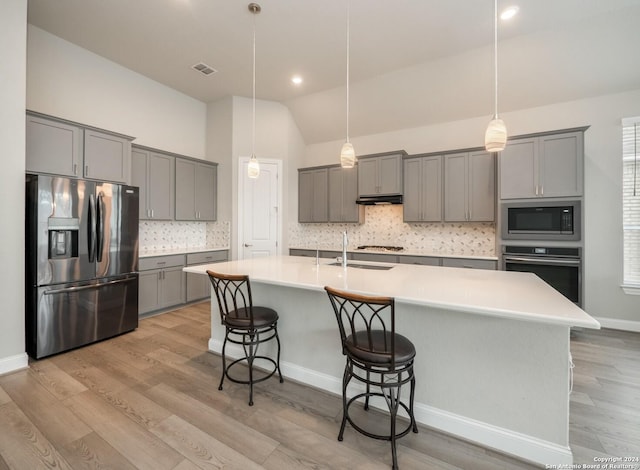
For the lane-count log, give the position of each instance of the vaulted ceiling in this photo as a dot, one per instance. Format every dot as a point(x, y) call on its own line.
point(413, 62)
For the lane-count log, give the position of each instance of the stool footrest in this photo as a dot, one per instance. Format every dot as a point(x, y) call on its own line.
point(382, 437)
point(255, 381)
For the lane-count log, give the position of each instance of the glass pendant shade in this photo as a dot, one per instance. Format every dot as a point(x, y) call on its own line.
point(347, 156)
point(495, 139)
point(253, 169)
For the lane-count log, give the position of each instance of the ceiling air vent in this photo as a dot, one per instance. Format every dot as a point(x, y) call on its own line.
point(204, 69)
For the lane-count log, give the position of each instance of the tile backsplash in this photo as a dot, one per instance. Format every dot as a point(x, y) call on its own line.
point(169, 235)
point(384, 226)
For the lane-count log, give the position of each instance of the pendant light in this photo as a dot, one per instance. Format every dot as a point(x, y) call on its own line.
point(253, 169)
point(495, 139)
point(347, 154)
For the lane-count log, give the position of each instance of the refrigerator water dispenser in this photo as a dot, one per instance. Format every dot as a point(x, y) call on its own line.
point(63, 238)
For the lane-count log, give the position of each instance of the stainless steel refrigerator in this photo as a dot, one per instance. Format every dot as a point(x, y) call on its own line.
point(81, 262)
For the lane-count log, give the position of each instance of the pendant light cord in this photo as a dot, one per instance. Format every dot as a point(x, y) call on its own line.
point(253, 124)
point(495, 57)
point(348, 35)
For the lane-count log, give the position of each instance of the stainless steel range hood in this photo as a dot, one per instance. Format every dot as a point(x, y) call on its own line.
point(382, 199)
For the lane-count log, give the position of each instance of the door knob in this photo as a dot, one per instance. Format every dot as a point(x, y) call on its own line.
point(246, 245)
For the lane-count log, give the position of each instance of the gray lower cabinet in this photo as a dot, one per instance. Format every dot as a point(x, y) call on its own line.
point(380, 257)
point(161, 283)
point(422, 200)
point(53, 147)
point(403, 259)
point(420, 260)
point(196, 190)
point(107, 157)
point(343, 192)
point(470, 263)
point(469, 187)
point(302, 252)
point(199, 286)
point(154, 173)
point(380, 174)
point(543, 166)
point(313, 199)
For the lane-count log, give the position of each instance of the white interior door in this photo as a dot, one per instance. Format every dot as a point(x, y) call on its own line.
point(259, 211)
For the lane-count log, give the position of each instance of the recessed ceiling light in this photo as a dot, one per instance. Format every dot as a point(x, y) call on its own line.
point(509, 12)
point(296, 79)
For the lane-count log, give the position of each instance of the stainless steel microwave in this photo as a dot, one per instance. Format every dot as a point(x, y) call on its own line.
point(537, 220)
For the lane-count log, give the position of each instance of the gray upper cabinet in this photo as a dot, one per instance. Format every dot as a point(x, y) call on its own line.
point(313, 199)
point(343, 192)
point(154, 173)
point(519, 169)
point(469, 187)
point(64, 148)
point(544, 166)
point(422, 201)
point(107, 157)
point(196, 190)
point(53, 147)
point(380, 174)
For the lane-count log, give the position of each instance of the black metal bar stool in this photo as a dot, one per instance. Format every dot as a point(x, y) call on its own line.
point(245, 324)
point(377, 356)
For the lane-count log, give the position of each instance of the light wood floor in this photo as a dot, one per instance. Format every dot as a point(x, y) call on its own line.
point(149, 399)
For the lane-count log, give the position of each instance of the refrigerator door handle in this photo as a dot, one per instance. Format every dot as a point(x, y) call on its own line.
point(87, 287)
point(92, 228)
point(100, 222)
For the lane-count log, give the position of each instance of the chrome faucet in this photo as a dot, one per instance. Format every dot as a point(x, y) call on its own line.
point(345, 241)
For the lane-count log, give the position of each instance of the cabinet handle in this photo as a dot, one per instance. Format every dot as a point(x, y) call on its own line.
point(86, 170)
point(75, 168)
point(542, 190)
point(152, 213)
point(537, 189)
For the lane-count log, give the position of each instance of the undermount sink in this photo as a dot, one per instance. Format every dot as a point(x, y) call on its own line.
point(363, 266)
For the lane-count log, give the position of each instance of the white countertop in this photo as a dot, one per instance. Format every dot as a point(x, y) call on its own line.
point(177, 251)
point(408, 252)
point(513, 295)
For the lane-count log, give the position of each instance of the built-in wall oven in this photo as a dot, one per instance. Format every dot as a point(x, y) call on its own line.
point(560, 267)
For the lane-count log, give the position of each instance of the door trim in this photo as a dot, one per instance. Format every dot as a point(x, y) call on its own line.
point(240, 218)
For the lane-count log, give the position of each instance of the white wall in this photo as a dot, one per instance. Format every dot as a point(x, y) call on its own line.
point(69, 82)
point(277, 137)
point(603, 173)
point(220, 149)
point(13, 54)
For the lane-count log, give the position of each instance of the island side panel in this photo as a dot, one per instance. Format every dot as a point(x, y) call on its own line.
point(506, 373)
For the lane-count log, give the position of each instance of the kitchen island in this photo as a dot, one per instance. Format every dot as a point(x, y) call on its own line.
point(493, 362)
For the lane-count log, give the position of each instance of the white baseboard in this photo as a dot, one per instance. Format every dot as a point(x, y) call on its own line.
point(13, 363)
point(615, 324)
point(503, 440)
